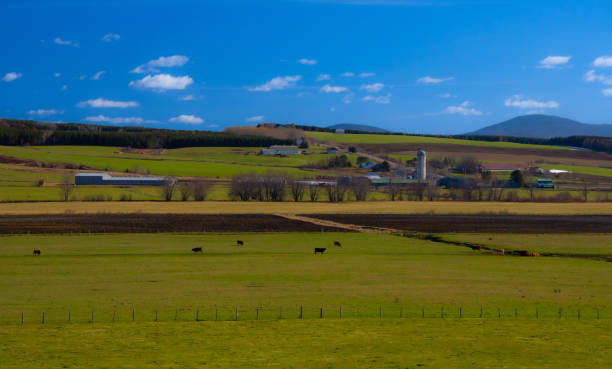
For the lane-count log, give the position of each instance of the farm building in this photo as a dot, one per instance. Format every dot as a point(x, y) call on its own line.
point(104, 179)
point(280, 150)
point(331, 150)
point(498, 167)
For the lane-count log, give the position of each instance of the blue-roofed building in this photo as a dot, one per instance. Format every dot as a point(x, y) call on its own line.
point(83, 179)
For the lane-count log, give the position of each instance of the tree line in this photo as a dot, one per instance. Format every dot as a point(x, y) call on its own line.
point(22, 132)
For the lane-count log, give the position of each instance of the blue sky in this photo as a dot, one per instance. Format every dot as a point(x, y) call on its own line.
point(412, 66)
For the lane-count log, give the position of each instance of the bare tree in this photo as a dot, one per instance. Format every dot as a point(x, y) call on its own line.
point(242, 187)
point(298, 189)
point(274, 184)
point(66, 187)
point(395, 191)
point(467, 165)
point(360, 187)
point(335, 193)
point(200, 189)
point(432, 190)
point(186, 190)
point(168, 188)
point(313, 192)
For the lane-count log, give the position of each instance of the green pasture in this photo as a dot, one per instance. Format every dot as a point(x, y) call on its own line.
point(322, 343)
point(581, 169)
point(391, 139)
point(580, 244)
point(209, 162)
point(149, 272)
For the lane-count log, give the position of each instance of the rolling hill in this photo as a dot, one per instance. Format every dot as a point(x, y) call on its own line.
point(544, 126)
point(358, 127)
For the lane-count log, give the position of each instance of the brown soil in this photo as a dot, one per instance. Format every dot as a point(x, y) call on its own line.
point(150, 223)
point(465, 223)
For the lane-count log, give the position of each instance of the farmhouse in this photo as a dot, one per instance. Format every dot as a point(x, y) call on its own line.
point(104, 179)
point(280, 150)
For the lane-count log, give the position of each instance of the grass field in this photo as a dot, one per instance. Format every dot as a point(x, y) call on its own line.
point(349, 343)
point(391, 139)
point(585, 244)
point(373, 207)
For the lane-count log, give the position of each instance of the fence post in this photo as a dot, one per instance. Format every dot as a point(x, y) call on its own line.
point(256, 313)
point(515, 312)
point(155, 315)
point(422, 312)
point(442, 312)
point(68, 316)
point(176, 314)
point(236, 313)
point(480, 311)
point(498, 313)
point(43, 318)
point(198, 315)
point(114, 314)
point(537, 315)
point(280, 315)
point(22, 317)
point(133, 315)
point(340, 311)
point(460, 312)
point(321, 313)
point(216, 313)
point(92, 320)
point(301, 312)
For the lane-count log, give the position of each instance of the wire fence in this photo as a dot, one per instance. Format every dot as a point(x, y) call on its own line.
point(301, 312)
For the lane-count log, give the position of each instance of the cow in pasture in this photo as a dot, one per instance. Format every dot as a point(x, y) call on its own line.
point(36, 252)
point(337, 243)
point(499, 252)
point(319, 250)
point(197, 249)
point(475, 247)
point(240, 243)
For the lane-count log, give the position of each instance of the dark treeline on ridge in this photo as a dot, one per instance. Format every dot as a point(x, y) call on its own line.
point(24, 132)
point(587, 142)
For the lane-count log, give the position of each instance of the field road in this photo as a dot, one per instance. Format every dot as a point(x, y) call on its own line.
point(369, 207)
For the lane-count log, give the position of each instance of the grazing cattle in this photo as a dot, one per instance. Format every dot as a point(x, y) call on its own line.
point(240, 243)
point(490, 238)
point(319, 250)
point(475, 247)
point(36, 252)
point(499, 252)
point(197, 249)
point(337, 243)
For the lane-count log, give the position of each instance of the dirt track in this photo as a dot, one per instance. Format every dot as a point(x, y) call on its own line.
point(477, 223)
point(151, 223)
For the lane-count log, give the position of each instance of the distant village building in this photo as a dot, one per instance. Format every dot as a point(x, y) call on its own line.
point(498, 167)
point(366, 165)
point(339, 131)
point(332, 150)
point(106, 180)
point(280, 150)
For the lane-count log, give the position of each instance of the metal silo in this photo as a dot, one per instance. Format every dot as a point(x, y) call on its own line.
point(421, 166)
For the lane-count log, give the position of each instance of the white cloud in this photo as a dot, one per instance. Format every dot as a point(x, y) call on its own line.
point(607, 91)
point(307, 61)
point(110, 37)
point(427, 80)
point(161, 62)
point(189, 98)
point(518, 101)
point(64, 87)
point(115, 120)
point(82, 77)
point(56, 75)
point(59, 41)
point(332, 109)
point(162, 82)
point(446, 95)
point(347, 99)
point(386, 99)
point(373, 88)
point(257, 118)
point(333, 89)
point(187, 119)
point(323, 77)
point(98, 75)
point(347, 74)
point(603, 61)
point(551, 62)
point(463, 109)
point(366, 74)
point(104, 103)
point(11, 76)
point(212, 126)
point(591, 76)
point(42, 112)
point(277, 83)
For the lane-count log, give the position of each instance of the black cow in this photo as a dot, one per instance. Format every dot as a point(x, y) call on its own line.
point(240, 243)
point(36, 252)
point(197, 249)
point(337, 243)
point(319, 250)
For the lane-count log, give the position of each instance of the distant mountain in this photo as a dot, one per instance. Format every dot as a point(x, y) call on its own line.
point(544, 126)
point(357, 127)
